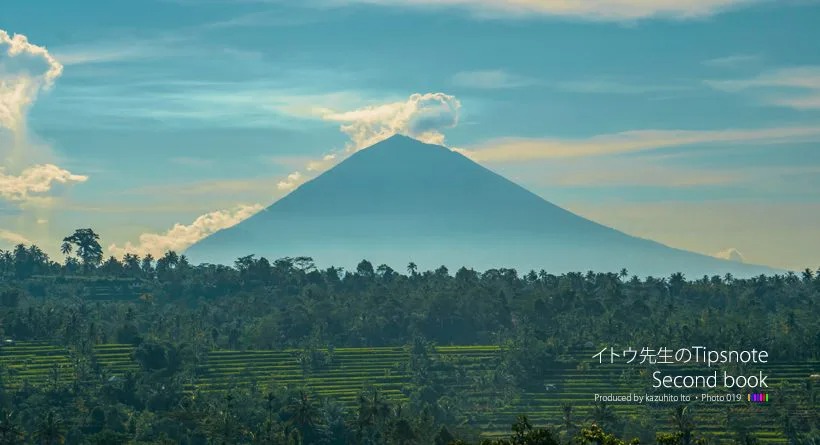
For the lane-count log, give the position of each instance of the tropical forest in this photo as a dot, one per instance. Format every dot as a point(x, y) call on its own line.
point(144, 350)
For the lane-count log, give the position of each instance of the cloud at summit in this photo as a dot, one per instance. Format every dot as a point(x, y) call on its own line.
point(421, 116)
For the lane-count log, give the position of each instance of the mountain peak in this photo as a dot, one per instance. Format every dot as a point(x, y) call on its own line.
point(403, 137)
point(400, 136)
point(403, 200)
point(400, 142)
point(398, 158)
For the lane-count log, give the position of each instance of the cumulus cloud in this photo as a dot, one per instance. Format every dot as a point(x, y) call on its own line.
point(730, 254)
point(422, 116)
point(34, 181)
point(292, 181)
point(181, 236)
point(25, 70)
point(9, 238)
point(593, 10)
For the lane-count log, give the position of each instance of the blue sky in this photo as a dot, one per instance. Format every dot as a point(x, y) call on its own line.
point(694, 122)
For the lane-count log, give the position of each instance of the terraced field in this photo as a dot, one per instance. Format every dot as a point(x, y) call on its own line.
point(353, 369)
point(577, 387)
point(35, 364)
point(40, 363)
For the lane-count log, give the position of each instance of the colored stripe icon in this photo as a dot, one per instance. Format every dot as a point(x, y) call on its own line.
point(758, 398)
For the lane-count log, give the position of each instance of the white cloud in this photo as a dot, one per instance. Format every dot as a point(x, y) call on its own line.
point(491, 79)
point(422, 116)
point(323, 164)
point(793, 87)
point(12, 239)
point(34, 181)
point(592, 10)
point(312, 167)
point(25, 70)
point(292, 181)
point(523, 149)
point(181, 236)
point(730, 254)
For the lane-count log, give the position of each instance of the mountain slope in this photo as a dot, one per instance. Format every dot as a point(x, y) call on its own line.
point(401, 200)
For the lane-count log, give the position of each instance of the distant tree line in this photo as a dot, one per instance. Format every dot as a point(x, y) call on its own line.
point(259, 303)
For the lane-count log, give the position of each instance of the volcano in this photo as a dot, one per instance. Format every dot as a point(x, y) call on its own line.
point(402, 201)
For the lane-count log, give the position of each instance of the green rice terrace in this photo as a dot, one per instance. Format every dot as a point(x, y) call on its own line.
point(465, 369)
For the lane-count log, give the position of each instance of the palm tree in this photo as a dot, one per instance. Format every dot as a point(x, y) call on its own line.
point(88, 248)
point(50, 430)
point(166, 265)
point(676, 283)
point(304, 415)
point(568, 424)
point(684, 422)
point(71, 265)
point(412, 268)
point(132, 263)
point(603, 415)
point(8, 261)
point(147, 265)
point(24, 261)
point(373, 411)
point(10, 432)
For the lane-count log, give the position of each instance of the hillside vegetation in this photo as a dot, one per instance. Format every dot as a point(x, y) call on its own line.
point(144, 350)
